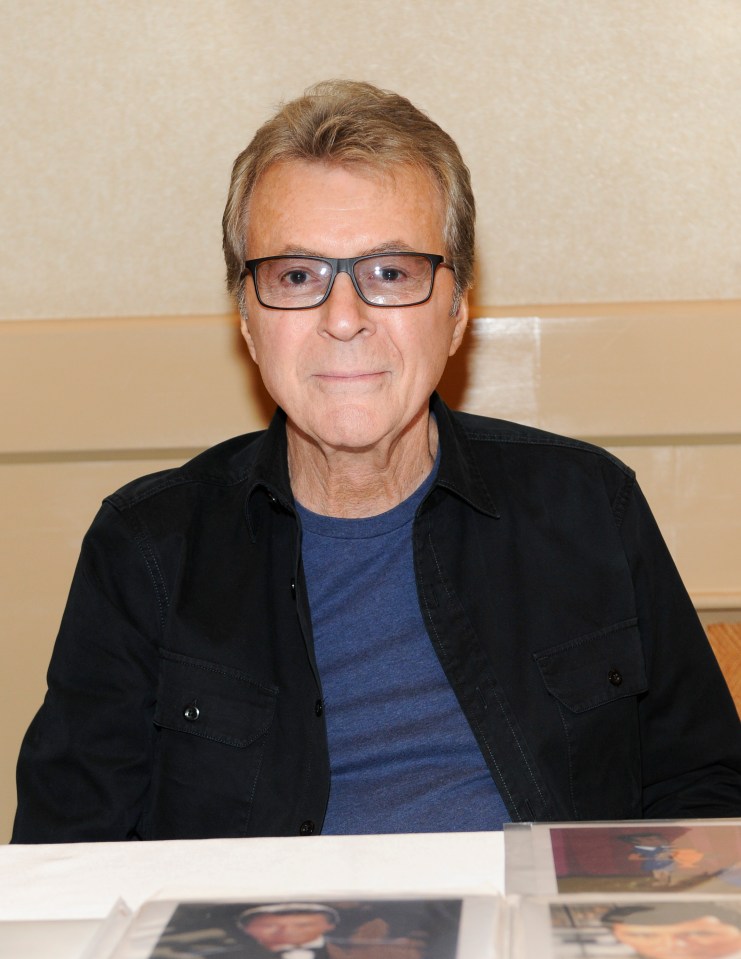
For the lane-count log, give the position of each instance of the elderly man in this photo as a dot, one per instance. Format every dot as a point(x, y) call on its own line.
point(378, 615)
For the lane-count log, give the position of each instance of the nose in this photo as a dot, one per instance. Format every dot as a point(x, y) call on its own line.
point(343, 314)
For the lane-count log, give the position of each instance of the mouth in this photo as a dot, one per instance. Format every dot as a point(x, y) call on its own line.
point(349, 379)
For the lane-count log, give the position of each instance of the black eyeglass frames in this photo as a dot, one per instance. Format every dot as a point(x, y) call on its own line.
point(294, 282)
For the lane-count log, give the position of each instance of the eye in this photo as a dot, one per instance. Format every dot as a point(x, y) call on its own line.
point(295, 277)
point(390, 274)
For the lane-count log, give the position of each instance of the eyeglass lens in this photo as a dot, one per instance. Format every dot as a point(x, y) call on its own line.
point(388, 279)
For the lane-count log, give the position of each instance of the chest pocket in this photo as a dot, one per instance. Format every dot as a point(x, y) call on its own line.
point(597, 681)
point(217, 703)
point(211, 725)
point(596, 669)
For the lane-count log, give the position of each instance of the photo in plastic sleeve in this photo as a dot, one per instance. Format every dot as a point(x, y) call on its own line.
point(646, 929)
point(398, 929)
point(648, 858)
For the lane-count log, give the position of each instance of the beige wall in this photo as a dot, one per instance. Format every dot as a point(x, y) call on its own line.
point(603, 137)
point(604, 141)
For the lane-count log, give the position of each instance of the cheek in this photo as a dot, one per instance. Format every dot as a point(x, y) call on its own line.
point(427, 354)
point(419, 343)
point(274, 351)
point(281, 360)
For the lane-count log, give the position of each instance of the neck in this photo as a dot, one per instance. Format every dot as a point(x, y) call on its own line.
point(352, 484)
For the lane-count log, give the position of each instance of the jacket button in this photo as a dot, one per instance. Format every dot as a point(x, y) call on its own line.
point(307, 827)
point(293, 588)
point(318, 707)
point(615, 677)
point(191, 712)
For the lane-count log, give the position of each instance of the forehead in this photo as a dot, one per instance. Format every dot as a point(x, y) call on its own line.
point(337, 210)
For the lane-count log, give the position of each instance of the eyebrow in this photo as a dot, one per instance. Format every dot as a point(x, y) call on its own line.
point(391, 246)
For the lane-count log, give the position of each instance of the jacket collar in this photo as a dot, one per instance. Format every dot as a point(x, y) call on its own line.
point(458, 471)
point(269, 474)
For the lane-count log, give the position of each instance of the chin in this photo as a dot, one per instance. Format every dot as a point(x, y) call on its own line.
point(351, 427)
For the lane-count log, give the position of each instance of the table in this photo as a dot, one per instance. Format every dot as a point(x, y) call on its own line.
point(77, 884)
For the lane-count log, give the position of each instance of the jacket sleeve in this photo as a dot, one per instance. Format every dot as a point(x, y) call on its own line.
point(85, 763)
point(690, 730)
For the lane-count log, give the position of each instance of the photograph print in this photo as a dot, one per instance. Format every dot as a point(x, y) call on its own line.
point(367, 929)
point(650, 858)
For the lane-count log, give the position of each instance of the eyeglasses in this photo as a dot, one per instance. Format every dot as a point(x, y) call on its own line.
point(380, 279)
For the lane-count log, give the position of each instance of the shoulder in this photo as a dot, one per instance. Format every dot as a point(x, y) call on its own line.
point(228, 464)
point(485, 431)
point(492, 438)
point(520, 464)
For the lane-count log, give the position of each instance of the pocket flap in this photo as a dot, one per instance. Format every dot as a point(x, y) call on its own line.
point(212, 701)
point(595, 669)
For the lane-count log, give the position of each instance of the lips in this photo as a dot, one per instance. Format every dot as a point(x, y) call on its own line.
point(349, 375)
point(349, 380)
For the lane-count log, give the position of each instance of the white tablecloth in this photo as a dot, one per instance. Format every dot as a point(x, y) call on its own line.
point(83, 881)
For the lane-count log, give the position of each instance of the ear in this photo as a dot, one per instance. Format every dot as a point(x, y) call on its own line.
point(461, 322)
point(244, 326)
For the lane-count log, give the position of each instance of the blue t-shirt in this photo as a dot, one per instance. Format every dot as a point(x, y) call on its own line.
point(402, 755)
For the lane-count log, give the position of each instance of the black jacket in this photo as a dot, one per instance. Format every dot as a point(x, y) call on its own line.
point(184, 700)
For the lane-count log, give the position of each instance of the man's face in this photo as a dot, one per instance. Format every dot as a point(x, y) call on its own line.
point(287, 929)
point(702, 938)
point(350, 375)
